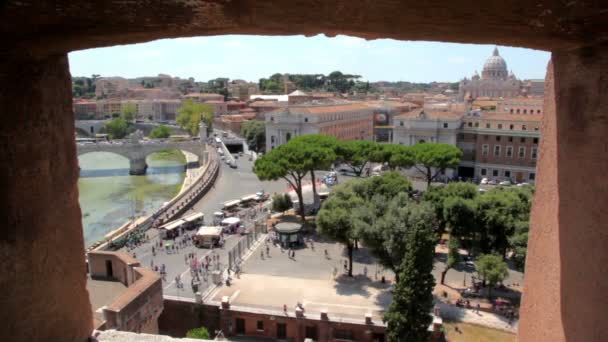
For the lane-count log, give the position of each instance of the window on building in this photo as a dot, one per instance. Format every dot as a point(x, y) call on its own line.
point(401, 123)
point(511, 127)
point(536, 128)
point(287, 137)
point(445, 125)
point(499, 126)
point(525, 111)
point(477, 124)
point(496, 150)
point(311, 332)
point(281, 331)
point(494, 173)
point(509, 151)
point(260, 325)
point(518, 111)
point(511, 110)
point(532, 176)
point(510, 139)
point(523, 127)
point(498, 138)
point(470, 124)
point(272, 118)
point(485, 150)
point(535, 140)
point(272, 139)
point(342, 334)
point(522, 140)
point(484, 172)
point(538, 111)
point(522, 152)
point(488, 125)
point(533, 152)
point(507, 174)
point(305, 119)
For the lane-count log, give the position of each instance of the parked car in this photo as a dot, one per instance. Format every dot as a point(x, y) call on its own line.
point(492, 182)
point(484, 181)
point(523, 184)
point(505, 183)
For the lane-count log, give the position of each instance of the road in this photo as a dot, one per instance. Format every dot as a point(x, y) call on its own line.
point(230, 184)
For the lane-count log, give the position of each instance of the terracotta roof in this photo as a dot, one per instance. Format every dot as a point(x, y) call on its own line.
point(433, 115)
point(327, 108)
point(268, 104)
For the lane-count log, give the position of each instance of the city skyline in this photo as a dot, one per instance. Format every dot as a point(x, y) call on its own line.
point(254, 57)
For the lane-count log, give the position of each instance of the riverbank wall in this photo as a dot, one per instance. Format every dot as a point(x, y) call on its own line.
point(198, 187)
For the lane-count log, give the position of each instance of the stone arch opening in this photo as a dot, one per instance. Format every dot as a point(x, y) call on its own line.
point(563, 294)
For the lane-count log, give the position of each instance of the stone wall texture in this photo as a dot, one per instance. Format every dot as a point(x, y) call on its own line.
point(41, 248)
point(42, 262)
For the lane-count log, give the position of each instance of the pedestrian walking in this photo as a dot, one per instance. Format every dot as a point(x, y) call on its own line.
point(267, 251)
point(262, 255)
point(365, 271)
point(477, 307)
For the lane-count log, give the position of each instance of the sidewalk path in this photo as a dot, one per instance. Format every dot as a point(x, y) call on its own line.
point(486, 319)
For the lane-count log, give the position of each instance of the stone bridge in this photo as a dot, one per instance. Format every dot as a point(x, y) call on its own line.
point(136, 150)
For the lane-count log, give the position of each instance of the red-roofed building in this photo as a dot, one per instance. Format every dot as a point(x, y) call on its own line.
point(343, 120)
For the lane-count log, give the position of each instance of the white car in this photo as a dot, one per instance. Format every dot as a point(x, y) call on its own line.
point(523, 184)
point(492, 182)
point(484, 181)
point(505, 183)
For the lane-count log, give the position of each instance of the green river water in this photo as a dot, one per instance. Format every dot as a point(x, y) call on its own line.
point(109, 196)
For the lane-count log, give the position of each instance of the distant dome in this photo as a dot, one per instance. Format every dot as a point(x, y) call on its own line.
point(495, 67)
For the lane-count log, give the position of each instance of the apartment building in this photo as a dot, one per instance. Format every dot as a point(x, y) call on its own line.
point(343, 120)
point(499, 146)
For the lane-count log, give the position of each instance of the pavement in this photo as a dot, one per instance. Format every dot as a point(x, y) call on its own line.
point(230, 184)
point(270, 281)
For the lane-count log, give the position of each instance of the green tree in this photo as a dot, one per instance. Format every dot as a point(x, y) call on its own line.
point(438, 196)
point(190, 115)
point(398, 156)
point(117, 128)
point(460, 213)
point(432, 159)
point(452, 258)
point(335, 220)
point(358, 153)
point(409, 314)
point(199, 333)
point(281, 203)
point(128, 112)
point(498, 213)
point(160, 132)
point(385, 231)
point(492, 270)
point(254, 132)
point(321, 152)
point(291, 162)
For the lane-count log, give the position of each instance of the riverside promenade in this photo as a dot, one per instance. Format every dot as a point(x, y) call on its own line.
point(198, 181)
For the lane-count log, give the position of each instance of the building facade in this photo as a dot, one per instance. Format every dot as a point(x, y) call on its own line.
point(345, 121)
point(495, 81)
point(499, 146)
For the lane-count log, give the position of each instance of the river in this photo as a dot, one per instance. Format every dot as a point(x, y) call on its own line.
point(109, 196)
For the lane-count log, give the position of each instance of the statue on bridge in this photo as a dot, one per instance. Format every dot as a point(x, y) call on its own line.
point(136, 137)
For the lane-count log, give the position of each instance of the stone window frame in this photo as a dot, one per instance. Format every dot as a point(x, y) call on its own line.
point(509, 151)
point(497, 150)
point(485, 150)
point(521, 152)
point(534, 153)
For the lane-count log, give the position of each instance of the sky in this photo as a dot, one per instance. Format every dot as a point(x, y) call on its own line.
point(253, 57)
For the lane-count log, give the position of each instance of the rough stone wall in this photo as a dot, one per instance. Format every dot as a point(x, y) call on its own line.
point(67, 25)
point(565, 295)
point(42, 264)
